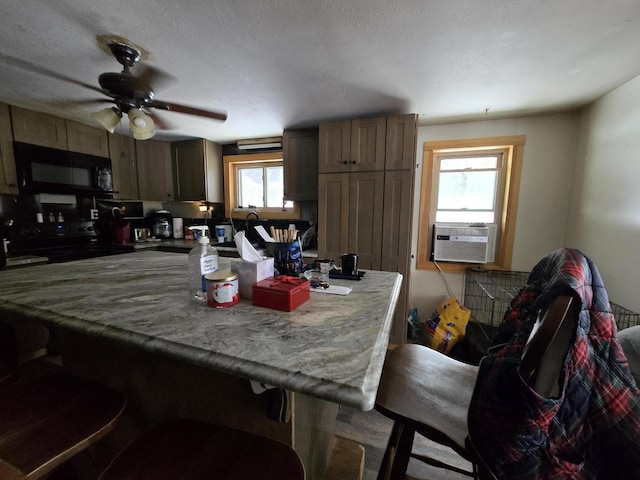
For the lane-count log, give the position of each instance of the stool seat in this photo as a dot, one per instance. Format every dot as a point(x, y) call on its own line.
point(426, 386)
point(47, 419)
point(194, 450)
point(424, 391)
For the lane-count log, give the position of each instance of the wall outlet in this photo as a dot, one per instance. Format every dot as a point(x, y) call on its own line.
point(94, 213)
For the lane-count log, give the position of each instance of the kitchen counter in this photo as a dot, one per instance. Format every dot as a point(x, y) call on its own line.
point(331, 347)
point(183, 246)
point(25, 260)
point(177, 245)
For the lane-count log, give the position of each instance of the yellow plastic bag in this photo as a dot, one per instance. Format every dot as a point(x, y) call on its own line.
point(447, 325)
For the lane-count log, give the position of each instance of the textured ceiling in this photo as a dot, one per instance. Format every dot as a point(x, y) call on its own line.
point(276, 64)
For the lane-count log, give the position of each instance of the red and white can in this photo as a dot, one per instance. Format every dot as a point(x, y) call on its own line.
point(222, 288)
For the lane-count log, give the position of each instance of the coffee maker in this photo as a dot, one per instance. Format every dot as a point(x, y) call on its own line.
point(161, 224)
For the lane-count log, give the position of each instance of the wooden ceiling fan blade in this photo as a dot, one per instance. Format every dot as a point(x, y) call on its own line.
point(89, 101)
point(29, 67)
point(174, 107)
point(160, 122)
point(152, 79)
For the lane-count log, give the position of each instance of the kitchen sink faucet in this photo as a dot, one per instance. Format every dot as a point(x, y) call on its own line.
point(252, 235)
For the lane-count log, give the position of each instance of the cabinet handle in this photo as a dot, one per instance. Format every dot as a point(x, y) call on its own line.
point(345, 162)
point(12, 185)
point(354, 162)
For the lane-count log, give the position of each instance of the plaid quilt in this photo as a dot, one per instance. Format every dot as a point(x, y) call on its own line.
point(592, 430)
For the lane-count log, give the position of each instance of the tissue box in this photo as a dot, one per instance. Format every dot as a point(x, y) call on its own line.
point(250, 273)
point(281, 293)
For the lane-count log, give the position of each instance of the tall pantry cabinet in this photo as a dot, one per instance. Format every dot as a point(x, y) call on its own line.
point(365, 194)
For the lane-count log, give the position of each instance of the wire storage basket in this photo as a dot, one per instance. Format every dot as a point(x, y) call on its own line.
point(625, 318)
point(488, 293)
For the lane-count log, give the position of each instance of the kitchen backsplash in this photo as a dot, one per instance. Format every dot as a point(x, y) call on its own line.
point(29, 210)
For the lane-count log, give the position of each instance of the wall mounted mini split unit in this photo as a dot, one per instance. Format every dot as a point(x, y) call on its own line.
point(463, 243)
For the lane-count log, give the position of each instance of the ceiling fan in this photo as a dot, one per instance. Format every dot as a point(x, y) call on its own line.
point(133, 95)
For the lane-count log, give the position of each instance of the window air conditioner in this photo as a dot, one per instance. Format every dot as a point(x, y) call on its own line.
point(463, 243)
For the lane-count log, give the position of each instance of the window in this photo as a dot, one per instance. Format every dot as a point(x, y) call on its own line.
point(260, 186)
point(255, 182)
point(468, 185)
point(470, 181)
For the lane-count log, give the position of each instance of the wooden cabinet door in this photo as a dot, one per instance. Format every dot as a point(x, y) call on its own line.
point(300, 160)
point(155, 176)
point(333, 215)
point(396, 241)
point(38, 128)
point(334, 147)
point(214, 171)
point(401, 142)
point(8, 178)
point(122, 151)
point(189, 170)
point(366, 194)
point(368, 137)
point(85, 139)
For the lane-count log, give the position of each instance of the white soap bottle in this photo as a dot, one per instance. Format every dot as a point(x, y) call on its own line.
point(203, 259)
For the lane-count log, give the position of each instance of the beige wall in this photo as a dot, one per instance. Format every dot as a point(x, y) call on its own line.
point(605, 201)
point(549, 159)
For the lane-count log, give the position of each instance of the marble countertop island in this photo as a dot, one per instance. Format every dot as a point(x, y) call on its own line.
point(331, 347)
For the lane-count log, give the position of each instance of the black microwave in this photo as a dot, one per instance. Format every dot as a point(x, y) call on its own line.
point(48, 170)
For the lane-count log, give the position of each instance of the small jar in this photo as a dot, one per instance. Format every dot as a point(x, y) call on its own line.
point(222, 288)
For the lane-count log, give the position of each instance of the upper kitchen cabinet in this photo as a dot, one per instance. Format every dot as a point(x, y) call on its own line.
point(300, 160)
point(401, 142)
point(197, 171)
point(8, 178)
point(122, 149)
point(38, 128)
point(85, 139)
point(352, 145)
point(155, 177)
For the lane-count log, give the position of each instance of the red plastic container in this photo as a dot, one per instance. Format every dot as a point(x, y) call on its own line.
point(281, 292)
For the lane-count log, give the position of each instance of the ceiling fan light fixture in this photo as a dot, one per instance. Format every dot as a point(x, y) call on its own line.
point(146, 135)
point(109, 118)
point(141, 124)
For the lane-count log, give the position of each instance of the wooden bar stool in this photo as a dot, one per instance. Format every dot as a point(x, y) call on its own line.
point(194, 450)
point(426, 392)
point(47, 419)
